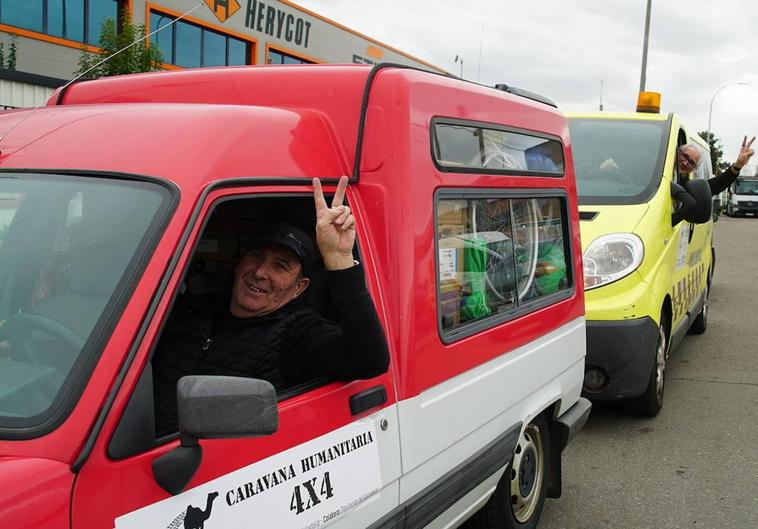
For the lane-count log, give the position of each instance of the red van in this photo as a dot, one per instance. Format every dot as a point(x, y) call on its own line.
point(127, 197)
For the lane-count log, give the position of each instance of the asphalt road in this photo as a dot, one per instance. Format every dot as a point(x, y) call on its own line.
point(694, 466)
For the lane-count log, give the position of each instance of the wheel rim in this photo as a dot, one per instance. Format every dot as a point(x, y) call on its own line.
point(660, 363)
point(527, 473)
point(704, 310)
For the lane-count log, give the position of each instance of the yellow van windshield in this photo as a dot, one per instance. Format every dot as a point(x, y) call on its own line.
point(617, 161)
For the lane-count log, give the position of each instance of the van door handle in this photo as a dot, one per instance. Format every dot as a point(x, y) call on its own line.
point(367, 399)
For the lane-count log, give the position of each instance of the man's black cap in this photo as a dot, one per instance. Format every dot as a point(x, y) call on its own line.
point(289, 236)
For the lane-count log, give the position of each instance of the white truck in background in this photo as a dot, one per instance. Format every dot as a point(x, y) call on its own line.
point(742, 197)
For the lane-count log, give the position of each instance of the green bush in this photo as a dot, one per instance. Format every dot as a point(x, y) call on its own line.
point(9, 62)
point(140, 57)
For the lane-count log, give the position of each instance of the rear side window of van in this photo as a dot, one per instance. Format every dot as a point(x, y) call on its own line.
point(499, 256)
point(469, 147)
point(704, 170)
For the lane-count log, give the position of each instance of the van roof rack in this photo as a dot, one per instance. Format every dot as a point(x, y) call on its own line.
point(525, 93)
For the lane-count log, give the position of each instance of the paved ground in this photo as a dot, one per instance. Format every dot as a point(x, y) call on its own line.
point(696, 464)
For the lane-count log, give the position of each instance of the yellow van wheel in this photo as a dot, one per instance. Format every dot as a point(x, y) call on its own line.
point(651, 401)
point(701, 321)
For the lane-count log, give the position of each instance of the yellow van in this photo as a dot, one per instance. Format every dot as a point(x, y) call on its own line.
point(648, 261)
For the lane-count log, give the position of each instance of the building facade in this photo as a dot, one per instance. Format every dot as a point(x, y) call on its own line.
point(47, 38)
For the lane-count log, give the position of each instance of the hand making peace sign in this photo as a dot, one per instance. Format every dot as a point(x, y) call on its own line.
point(335, 227)
point(745, 153)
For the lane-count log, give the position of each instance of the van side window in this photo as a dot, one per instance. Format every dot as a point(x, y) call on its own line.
point(704, 170)
point(499, 255)
point(202, 337)
point(464, 146)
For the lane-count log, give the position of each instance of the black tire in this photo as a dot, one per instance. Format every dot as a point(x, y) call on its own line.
point(520, 494)
point(701, 321)
point(651, 401)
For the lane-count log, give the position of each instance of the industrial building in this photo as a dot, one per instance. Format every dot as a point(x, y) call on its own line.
point(47, 38)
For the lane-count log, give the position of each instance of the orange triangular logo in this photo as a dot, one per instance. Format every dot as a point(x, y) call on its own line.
point(223, 9)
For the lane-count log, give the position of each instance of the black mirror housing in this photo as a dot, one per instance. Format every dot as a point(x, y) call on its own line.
point(214, 407)
point(694, 202)
point(221, 407)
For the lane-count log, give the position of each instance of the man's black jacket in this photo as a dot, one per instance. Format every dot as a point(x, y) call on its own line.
point(723, 180)
point(289, 346)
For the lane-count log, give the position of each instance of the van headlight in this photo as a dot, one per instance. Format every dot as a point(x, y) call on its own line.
point(611, 257)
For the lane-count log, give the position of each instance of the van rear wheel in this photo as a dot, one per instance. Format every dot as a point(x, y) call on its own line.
point(701, 321)
point(520, 494)
point(651, 401)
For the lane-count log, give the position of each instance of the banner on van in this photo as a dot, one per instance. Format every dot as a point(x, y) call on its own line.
point(304, 487)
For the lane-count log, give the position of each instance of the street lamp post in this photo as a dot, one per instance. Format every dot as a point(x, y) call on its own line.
point(643, 72)
point(459, 59)
point(710, 108)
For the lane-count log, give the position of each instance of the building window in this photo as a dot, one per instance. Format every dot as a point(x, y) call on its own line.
point(191, 46)
point(77, 20)
point(499, 256)
point(277, 57)
point(466, 147)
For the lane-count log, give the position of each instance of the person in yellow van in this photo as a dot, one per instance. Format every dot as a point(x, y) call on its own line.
point(689, 158)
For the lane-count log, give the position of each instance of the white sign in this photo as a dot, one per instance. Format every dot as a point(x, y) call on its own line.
point(448, 264)
point(684, 240)
point(304, 487)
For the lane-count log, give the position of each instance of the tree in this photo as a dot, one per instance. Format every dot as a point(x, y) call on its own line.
point(9, 62)
point(115, 36)
point(718, 165)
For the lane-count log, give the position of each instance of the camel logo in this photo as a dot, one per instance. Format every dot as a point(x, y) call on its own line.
point(194, 517)
point(223, 9)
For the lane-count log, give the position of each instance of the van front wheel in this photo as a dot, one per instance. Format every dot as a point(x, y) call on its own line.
point(651, 401)
point(520, 494)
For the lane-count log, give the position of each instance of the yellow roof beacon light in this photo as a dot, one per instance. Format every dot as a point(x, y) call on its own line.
point(649, 102)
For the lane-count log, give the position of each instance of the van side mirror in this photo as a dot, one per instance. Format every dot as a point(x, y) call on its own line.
point(214, 407)
point(693, 202)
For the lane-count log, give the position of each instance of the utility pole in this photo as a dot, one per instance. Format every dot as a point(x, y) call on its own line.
point(644, 48)
point(479, 63)
point(601, 95)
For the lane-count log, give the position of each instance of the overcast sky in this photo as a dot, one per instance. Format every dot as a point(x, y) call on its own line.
point(563, 49)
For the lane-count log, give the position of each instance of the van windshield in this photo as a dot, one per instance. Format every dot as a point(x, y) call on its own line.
point(746, 187)
point(65, 244)
point(617, 161)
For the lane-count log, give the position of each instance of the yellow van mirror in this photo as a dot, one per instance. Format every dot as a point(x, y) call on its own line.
point(649, 102)
point(694, 202)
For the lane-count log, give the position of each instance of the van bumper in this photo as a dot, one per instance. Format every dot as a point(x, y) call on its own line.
point(623, 352)
point(745, 210)
point(572, 421)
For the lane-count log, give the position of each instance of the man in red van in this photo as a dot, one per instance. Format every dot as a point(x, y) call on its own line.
point(265, 330)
